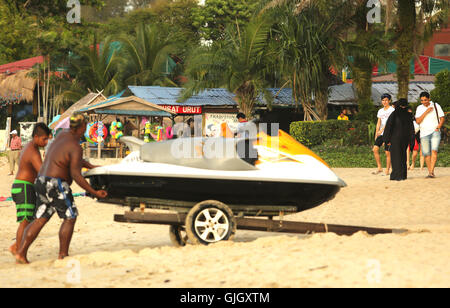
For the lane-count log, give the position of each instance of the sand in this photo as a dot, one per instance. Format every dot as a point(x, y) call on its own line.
point(109, 254)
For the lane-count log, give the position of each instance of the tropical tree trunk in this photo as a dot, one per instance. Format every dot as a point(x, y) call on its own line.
point(362, 67)
point(321, 102)
point(389, 15)
point(405, 44)
point(39, 94)
point(246, 105)
point(362, 71)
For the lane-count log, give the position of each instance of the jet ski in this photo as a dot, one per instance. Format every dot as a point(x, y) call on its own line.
point(266, 171)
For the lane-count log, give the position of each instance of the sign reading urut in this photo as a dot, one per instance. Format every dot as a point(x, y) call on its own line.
point(183, 109)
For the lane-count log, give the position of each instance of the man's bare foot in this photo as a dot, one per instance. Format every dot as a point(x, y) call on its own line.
point(377, 172)
point(411, 168)
point(61, 257)
point(21, 260)
point(13, 249)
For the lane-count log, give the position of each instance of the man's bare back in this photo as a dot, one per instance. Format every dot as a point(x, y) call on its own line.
point(58, 157)
point(64, 160)
point(29, 164)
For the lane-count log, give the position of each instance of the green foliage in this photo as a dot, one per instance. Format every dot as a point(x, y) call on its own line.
point(310, 42)
point(145, 54)
point(96, 70)
point(441, 92)
point(237, 63)
point(367, 111)
point(313, 133)
point(175, 16)
point(213, 18)
point(45, 7)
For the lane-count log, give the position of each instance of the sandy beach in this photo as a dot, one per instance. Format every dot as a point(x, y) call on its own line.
point(109, 254)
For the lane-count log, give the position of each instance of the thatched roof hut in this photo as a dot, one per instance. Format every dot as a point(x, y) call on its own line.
point(17, 87)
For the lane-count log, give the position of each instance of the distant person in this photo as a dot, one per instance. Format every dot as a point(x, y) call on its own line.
point(190, 129)
point(342, 116)
point(398, 134)
point(62, 166)
point(430, 118)
point(23, 192)
point(416, 148)
point(382, 115)
point(242, 129)
point(15, 146)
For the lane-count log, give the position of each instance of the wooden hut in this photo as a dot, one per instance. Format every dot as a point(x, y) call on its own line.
point(87, 101)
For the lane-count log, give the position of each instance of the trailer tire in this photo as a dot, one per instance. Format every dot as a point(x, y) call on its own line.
point(210, 222)
point(178, 235)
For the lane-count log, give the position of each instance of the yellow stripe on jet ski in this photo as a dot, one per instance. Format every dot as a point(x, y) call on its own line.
point(285, 144)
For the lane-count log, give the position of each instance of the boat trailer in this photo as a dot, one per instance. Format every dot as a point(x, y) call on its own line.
point(212, 221)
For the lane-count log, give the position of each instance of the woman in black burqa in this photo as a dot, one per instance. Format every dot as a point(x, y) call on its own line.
point(399, 134)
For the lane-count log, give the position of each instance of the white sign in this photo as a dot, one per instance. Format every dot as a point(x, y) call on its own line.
point(4, 135)
point(26, 131)
point(213, 123)
point(3, 140)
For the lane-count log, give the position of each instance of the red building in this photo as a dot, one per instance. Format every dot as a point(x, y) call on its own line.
point(439, 45)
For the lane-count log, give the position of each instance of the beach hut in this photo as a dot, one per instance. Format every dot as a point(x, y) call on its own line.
point(133, 108)
point(17, 87)
point(88, 100)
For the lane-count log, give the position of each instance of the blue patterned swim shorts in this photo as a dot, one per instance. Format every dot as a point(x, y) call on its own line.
point(54, 195)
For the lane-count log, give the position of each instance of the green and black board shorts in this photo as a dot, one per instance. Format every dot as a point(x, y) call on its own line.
point(24, 195)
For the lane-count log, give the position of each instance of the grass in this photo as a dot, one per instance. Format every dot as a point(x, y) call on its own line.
point(338, 156)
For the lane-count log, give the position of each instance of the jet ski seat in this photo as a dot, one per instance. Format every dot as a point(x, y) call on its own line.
point(204, 153)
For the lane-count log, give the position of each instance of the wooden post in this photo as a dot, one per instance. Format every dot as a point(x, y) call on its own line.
point(139, 126)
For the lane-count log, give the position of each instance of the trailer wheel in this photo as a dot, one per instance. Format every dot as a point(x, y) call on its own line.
point(210, 222)
point(178, 235)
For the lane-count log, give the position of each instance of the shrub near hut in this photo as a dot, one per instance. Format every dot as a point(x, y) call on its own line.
point(343, 132)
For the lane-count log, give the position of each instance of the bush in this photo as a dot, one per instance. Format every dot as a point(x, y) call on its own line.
point(367, 111)
point(441, 92)
point(315, 133)
point(338, 156)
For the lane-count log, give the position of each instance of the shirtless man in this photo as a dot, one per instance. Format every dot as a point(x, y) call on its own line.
point(62, 166)
point(23, 192)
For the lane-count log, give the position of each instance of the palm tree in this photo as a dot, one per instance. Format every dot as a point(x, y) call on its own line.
point(415, 22)
point(371, 47)
point(343, 38)
point(147, 55)
point(311, 42)
point(237, 63)
point(96, 68)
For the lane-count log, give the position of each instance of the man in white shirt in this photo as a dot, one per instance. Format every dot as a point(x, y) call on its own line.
point(430, 117)
point(383, 115)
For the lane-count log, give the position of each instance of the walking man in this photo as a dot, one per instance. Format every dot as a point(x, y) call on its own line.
point(430, 117)
point(62, 166)
point(382, 115)
point(15, 146)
